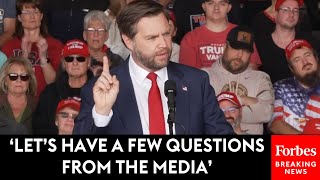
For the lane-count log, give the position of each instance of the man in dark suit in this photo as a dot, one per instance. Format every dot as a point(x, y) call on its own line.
point(119, 103)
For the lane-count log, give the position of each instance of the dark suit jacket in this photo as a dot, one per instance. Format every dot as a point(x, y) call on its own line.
point(197, 110)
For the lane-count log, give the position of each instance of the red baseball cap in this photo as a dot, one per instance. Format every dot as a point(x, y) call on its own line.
point(294, 44)
point(75, 46)
point(229, 96)
point(312, 127)
point(279, 2)
point(70, 102)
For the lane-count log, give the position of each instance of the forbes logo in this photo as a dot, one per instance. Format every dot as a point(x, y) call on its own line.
point(295, 151)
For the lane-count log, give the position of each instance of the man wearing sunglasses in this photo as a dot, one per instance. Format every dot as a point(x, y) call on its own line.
point(75, 72)
point(67, 110)
point(232, 109)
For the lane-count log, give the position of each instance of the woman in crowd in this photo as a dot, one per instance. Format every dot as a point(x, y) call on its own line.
point(32, 41)
point(17, 94)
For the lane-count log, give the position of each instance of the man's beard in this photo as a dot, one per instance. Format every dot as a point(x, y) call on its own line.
point(242, 67)
point(235, 123)
point(149, 61)
point(311, 79)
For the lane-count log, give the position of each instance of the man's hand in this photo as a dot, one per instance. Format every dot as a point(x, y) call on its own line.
point(105, 90)
point(248, 101)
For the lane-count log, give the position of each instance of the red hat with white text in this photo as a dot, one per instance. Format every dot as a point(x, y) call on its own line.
point(70, 102)
point(229, 96)
point(75, 46)
point(294, 44)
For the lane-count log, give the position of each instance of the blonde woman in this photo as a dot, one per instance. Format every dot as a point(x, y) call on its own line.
point(18, 89)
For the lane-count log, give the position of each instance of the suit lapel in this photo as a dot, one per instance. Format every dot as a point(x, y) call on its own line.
point(182, 99)
point(126, 102)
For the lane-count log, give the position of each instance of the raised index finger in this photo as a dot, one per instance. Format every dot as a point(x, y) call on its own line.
point(106, 65)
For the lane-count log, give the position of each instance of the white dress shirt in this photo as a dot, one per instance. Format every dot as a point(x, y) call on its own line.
point(141, 86)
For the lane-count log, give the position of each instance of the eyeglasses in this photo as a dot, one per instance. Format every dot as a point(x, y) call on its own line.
point(15, 76)
point(65, 115)
point(71, 58)
point(93, 30)
point(230, 109)
point(287, 10)
point(29, 12)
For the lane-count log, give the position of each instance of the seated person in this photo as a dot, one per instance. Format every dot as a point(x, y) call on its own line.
point(67, 111)
point(232, 109)
point(11, 127)
point(74, 74)
point(297, 97)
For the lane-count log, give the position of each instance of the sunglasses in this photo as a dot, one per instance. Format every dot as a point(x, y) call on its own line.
point(66, 115)
point(71, 58)
point(15, 76)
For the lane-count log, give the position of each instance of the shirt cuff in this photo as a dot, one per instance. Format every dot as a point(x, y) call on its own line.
point(101, 120)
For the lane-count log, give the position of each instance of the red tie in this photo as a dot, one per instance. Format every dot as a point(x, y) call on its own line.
point(156, 116)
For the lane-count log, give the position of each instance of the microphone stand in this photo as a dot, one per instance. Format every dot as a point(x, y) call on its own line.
point(171, 119)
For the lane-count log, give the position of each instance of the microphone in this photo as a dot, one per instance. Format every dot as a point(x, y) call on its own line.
point(170, 92)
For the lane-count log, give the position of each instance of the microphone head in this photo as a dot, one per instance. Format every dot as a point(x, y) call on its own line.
point(170, 87)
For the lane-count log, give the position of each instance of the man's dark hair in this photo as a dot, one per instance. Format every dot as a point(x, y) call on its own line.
point(130, 16)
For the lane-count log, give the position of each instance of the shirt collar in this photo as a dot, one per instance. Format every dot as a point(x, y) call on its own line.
point(141, 74)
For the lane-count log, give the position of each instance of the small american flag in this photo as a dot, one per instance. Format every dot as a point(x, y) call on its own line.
point(184, 88)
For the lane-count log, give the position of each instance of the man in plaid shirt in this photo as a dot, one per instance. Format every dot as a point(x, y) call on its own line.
point(297, 98)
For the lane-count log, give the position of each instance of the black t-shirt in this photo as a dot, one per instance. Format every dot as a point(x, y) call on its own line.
point(273, 58)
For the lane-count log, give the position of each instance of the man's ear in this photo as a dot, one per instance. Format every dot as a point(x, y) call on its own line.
point(127, 41)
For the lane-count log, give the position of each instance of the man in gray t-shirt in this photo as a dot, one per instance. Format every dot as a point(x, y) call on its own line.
point(7, 20)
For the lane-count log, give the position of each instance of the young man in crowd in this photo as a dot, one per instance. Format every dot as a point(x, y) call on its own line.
point(253, 88)
point(297, 98)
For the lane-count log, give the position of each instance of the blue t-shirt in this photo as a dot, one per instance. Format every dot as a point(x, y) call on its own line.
point(3, 58)
point(7, 10)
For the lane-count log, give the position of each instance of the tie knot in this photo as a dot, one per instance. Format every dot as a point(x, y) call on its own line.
point(152, 76)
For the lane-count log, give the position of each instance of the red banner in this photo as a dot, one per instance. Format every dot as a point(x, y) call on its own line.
point(295, 157)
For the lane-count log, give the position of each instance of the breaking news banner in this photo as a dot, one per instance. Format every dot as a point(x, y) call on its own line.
point(295, 157)
point(242, 157)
